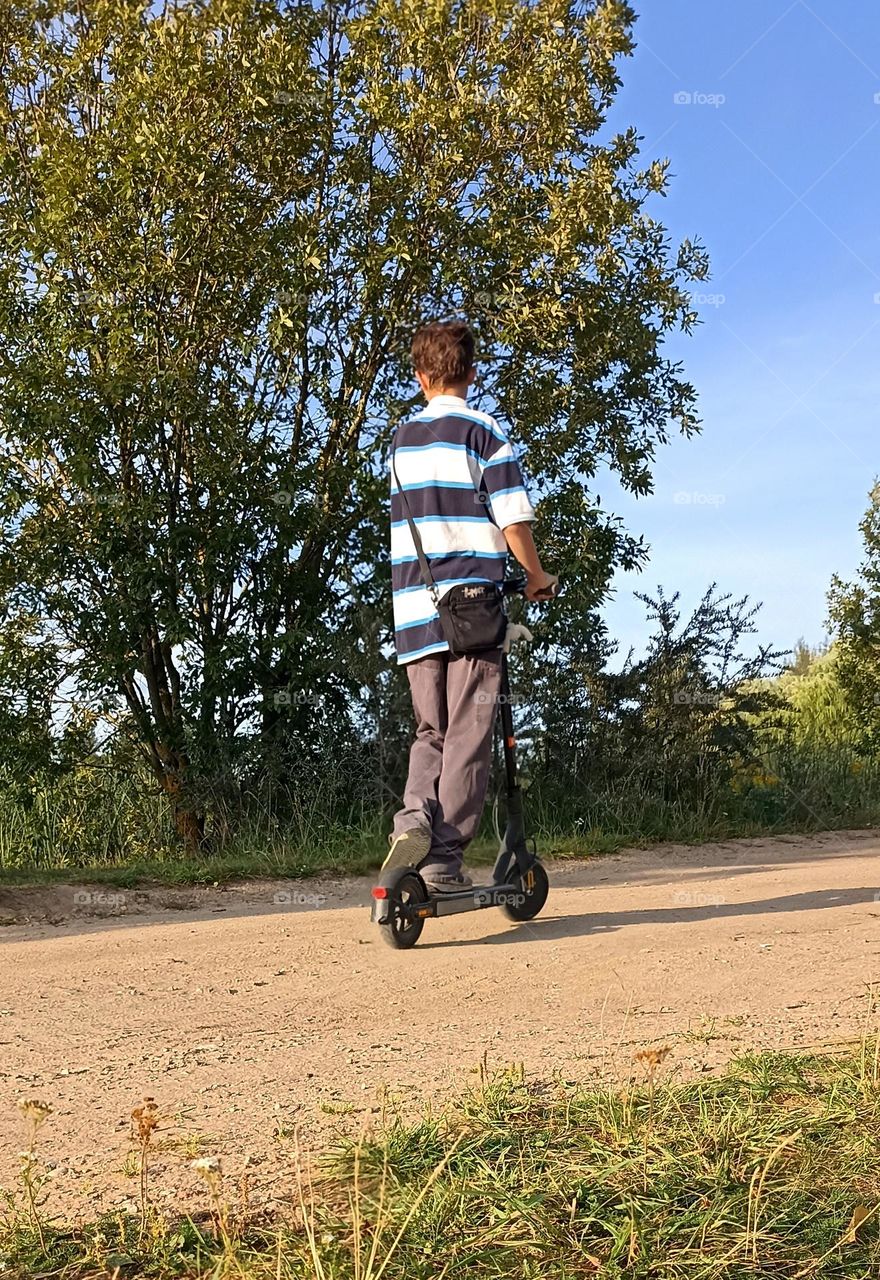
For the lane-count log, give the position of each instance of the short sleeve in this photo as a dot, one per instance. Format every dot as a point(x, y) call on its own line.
point(503, 485)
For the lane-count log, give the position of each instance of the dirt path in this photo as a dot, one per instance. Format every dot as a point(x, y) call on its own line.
point(250, 1011)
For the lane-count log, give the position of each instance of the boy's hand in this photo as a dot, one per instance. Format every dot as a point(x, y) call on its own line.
point(541, 585)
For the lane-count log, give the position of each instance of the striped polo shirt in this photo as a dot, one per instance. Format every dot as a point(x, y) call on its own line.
point(463, 485)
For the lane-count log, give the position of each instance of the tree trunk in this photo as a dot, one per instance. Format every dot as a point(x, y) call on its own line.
point(189, 818)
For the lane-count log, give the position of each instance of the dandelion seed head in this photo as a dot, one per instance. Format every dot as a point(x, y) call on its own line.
point(145, 1118)
point(34, 1109)
point(652, 1058)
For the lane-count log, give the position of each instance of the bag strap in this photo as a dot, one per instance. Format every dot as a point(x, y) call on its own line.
point(424, 567)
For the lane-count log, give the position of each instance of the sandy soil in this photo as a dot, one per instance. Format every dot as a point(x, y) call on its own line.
point(256, 1011)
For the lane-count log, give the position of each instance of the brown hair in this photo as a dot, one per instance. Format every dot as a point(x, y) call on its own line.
point(444, 352)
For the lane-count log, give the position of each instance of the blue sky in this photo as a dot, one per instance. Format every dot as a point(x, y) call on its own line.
point(780, 180)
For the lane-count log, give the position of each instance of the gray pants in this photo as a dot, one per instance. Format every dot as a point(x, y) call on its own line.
point(455, 701)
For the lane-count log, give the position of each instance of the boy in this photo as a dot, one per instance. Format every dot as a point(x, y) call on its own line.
point(465, 492)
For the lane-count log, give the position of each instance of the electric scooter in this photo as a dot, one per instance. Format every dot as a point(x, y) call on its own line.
point(401, 900)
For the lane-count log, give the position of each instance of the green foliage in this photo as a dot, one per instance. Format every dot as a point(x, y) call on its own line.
point(30, 675)
point(855, 612)
point(693, 741)
point(804, 655)
point(90, 814)
point(819, 711)
point(219, 223)
point(696, 740)
point(669, 728)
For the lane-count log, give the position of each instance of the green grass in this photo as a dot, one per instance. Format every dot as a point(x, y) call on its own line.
point(89, 830)
point(758, 1173)
point(363, 852)
point(362, 855)
point(216, 869)
point(795, 768)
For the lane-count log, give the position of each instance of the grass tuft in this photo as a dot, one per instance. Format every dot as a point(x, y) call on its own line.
point(769, 1171)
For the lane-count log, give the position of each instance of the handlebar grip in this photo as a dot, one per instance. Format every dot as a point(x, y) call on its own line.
point(517, 587)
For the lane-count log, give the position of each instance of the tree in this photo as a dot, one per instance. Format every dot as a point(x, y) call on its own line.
point(219, 223)
point(676, 722)
point(31, 672)
point(804, 656)
point(854, 610)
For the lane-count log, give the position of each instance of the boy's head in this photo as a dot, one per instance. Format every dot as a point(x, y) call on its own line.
point(443, 357)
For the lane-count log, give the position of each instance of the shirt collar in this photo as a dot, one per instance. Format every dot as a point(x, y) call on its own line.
point(443, 401)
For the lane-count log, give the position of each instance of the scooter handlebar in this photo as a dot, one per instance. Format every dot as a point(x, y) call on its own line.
point(517, 587)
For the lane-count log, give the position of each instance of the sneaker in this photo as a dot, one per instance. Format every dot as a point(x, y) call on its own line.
point(448, 884)
point(408, 849)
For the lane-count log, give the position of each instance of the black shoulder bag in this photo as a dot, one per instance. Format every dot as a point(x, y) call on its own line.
point(471, 614)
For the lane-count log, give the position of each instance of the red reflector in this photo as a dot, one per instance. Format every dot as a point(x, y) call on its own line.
point(511, 742)
point(380, 891)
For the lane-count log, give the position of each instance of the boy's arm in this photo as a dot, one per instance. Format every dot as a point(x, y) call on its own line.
point(539, 583)
point(512, 511)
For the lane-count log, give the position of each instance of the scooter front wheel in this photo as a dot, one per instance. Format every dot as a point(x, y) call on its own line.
point(403, 930)
point(531, 894)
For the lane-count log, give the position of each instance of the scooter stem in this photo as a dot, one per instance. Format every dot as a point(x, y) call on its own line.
point(508, 736)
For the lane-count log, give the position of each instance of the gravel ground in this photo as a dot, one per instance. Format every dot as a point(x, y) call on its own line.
point(265, 1014)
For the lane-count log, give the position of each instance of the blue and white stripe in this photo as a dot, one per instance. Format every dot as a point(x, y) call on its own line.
point(464, 486)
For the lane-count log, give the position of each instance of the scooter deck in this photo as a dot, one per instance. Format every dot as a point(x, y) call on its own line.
point(467, 900)
point(448, 904)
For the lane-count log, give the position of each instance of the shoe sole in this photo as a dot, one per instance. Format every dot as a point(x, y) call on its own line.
point(408, 850)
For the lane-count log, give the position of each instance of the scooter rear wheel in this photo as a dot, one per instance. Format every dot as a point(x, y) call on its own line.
point(402, 932)
point(531, 894)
